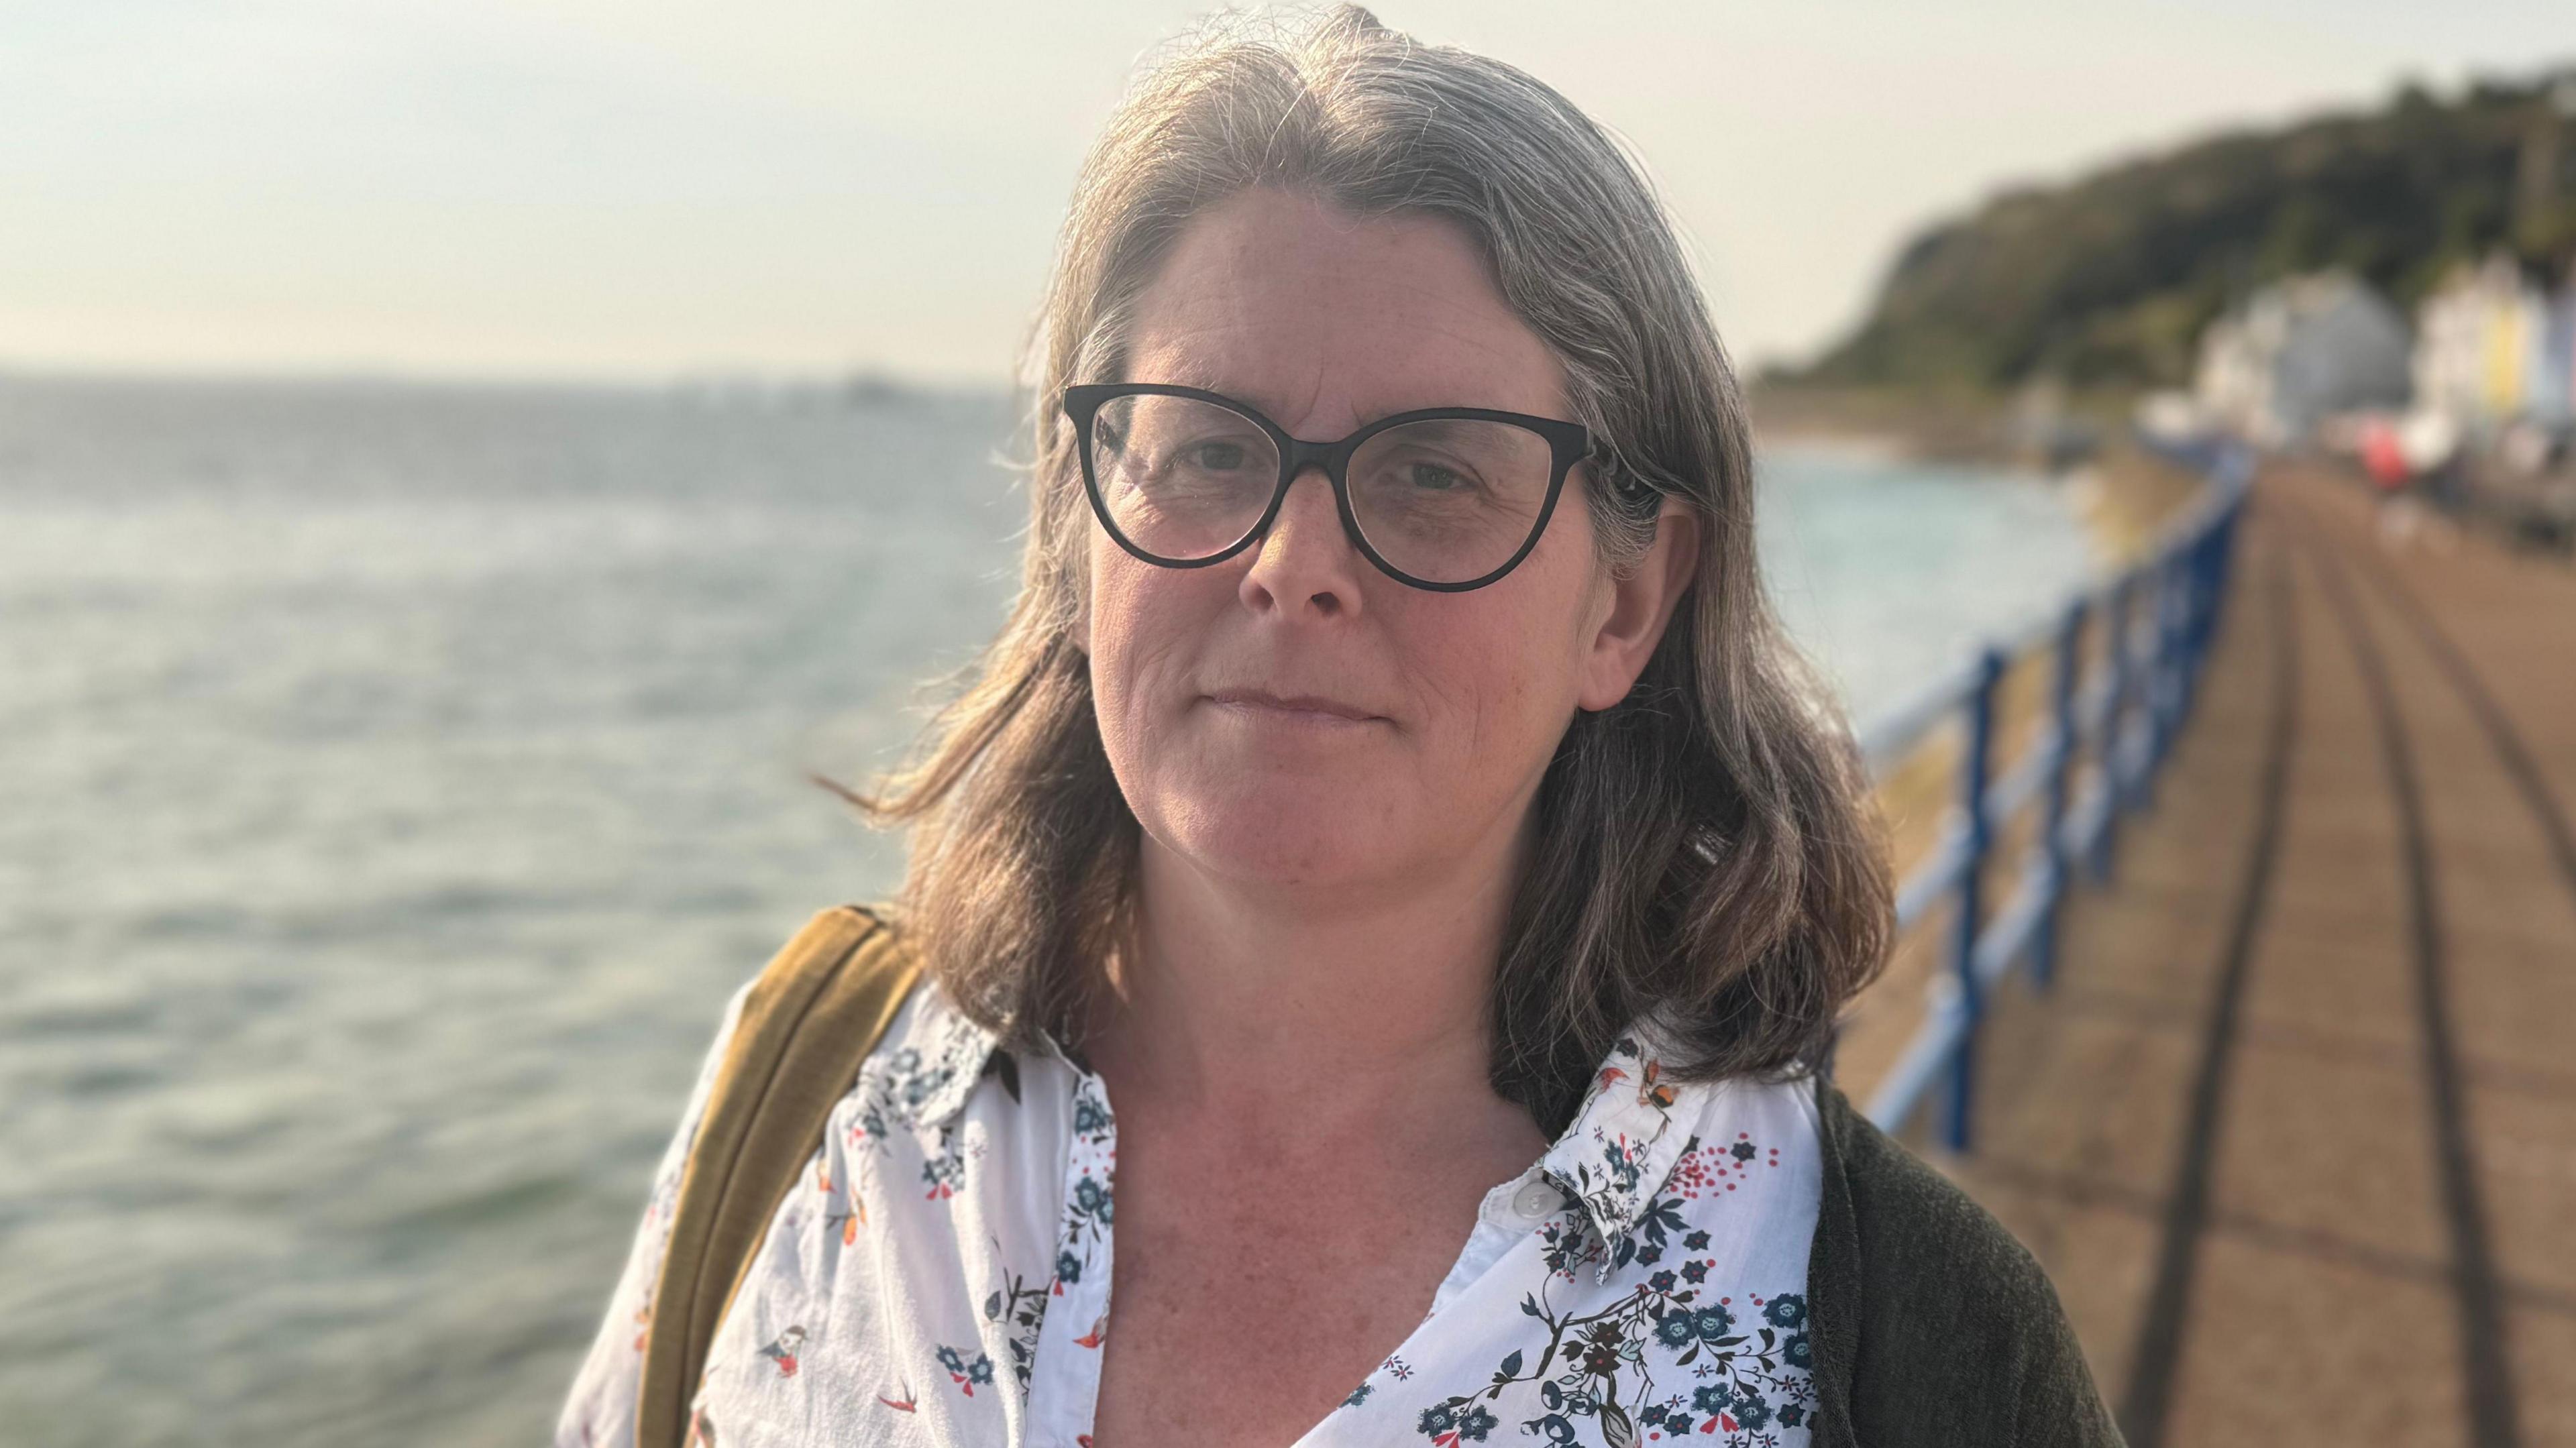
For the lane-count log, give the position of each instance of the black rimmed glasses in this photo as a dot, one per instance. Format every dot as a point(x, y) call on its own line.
point(1444, 498)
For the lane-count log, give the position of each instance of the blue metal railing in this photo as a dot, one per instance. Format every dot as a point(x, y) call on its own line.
point(2095, 759)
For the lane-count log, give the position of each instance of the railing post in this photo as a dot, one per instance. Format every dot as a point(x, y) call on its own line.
point(2213, 588)
point(2225, 571)
point(2207, 560)
point(2164, 675)
point(2186, 584)
point(2201, 625)
point(2070, 662)
point(2223, 548)
point(2186, 587)
point(2106, 749)
point(1974, 766)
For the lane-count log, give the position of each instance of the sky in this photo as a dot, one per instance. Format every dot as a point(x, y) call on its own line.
point(638, 189)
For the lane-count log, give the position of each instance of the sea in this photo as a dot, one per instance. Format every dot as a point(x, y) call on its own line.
point(396, 778)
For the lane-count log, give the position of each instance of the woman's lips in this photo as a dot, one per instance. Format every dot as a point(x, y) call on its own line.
point(1293, 708)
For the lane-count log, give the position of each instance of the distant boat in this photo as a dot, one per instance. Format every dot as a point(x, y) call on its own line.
point(873, 388)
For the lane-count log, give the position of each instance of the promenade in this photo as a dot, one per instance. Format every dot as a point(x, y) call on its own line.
point(2294, 1128)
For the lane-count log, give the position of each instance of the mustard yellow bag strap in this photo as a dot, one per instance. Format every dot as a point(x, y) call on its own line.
point(807, 1025)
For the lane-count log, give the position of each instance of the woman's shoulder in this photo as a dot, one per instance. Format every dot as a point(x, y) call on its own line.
point(1933, 1289)
point(1917, 1227)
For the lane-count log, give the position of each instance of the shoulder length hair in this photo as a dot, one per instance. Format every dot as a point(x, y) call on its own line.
point(1708, 852)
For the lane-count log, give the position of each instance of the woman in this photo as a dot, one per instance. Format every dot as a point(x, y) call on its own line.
point(1389, 891)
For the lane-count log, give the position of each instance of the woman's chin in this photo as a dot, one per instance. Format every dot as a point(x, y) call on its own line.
point(1293, 837)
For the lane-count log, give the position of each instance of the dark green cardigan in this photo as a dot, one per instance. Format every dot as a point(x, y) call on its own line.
point(1931, 1324)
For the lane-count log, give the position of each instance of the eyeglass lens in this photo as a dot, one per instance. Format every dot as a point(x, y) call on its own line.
point(1445, 500)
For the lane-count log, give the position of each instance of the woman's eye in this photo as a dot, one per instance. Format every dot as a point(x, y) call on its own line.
point(1431, 477)
point(1217, 457)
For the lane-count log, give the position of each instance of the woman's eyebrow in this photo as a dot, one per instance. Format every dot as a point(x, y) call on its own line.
point(1176, 366)
point(1206, 380)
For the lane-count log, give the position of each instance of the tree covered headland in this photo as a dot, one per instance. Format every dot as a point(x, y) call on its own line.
point(2108, 281)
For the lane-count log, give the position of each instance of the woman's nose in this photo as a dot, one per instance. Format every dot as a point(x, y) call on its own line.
point(1306, 561)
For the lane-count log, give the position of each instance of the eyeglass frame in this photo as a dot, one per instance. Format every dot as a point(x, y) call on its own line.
point(1568, 443)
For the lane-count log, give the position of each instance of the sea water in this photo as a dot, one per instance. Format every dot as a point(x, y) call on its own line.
point(395, 780)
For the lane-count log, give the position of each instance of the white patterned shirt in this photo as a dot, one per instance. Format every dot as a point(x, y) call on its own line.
point(943, 1275)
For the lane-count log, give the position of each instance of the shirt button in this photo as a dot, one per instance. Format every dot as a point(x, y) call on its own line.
point(1537, 1200)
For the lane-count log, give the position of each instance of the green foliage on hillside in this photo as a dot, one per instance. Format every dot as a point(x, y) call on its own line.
point(2107, 281)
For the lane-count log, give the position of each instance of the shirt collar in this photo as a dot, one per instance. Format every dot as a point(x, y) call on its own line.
point(1625, 1138)
point(949, 1053)
point(1634, 1124)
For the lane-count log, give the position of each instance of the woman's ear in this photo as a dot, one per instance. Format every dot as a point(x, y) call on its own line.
point(1641, 605)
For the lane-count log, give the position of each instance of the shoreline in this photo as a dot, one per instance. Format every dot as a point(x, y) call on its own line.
point(2124, 495)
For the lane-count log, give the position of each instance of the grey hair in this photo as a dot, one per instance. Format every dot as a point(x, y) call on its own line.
point(1708, 852)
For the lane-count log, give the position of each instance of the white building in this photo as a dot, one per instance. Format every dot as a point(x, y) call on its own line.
point(2299, 351)
point(2492, 348)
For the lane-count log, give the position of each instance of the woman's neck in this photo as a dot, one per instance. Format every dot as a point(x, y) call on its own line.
point(1270, 1005)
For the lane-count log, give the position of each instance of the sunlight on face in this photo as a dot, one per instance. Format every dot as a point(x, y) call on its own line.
point(1417, 724)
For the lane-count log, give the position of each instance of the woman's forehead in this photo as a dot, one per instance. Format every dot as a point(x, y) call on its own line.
point(1323, 319)
point(1331, 397)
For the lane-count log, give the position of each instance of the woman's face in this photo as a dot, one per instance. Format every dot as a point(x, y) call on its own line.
point(1443, 709)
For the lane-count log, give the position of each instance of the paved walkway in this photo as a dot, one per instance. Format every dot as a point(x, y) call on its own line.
point(2295, 1133)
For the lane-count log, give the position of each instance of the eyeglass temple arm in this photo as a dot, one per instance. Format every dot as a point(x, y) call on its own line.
point(1605, 464)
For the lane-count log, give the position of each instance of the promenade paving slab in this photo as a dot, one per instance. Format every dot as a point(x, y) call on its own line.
point(2530, 1177)
point(2544, 1344)
point(2295, 1349)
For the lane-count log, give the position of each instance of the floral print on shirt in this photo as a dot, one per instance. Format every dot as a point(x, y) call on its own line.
point(1603, 1364)
point(946, 1278)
